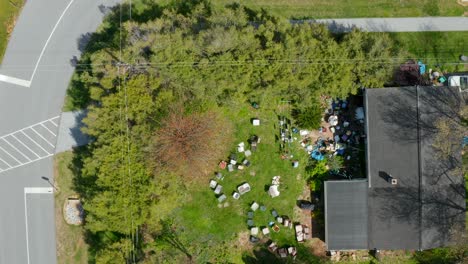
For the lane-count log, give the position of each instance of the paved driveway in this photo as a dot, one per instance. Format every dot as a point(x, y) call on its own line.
point(408, 24)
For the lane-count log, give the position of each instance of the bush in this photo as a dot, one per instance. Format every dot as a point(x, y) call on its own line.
point(317, 173)
point(335, 163)
point(310, 117)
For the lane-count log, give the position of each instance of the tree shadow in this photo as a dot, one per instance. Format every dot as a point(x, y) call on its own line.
point(416, 110)
point(261, 255)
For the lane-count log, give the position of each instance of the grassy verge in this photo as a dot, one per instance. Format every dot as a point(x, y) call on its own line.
point(9, 10)
point(439, 50)
point(203, 220)
point(71, 247)
point(353, 8)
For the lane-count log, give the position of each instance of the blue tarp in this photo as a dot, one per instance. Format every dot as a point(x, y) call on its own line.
point(422, 67)
point(317, 155)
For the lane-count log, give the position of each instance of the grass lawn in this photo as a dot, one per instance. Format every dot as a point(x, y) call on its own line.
point(203, 220)
point(71, 247)
point(357, 8)
point(435, 48)
point(352, 8)
point(9, 9)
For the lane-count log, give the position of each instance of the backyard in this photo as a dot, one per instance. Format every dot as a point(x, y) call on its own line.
point(9, 10)
point(204, 219)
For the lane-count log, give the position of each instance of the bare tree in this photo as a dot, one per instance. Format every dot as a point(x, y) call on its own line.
point(450, 132)
point(191, 144)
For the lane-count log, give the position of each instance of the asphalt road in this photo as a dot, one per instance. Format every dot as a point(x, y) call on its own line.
point(29, 120)
point(403, 24)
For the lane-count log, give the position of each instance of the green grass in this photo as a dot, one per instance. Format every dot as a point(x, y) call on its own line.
point(71, 247)
point(352, 8)
point(9, 9)
point(437, 49)
point(301, 9)
point(201, 217)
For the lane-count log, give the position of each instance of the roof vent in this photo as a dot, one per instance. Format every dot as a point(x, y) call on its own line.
point(394, 181)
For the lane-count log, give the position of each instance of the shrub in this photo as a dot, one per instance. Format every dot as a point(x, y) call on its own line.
point(310, 117)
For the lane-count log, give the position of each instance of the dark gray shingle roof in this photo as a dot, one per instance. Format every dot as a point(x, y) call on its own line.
point(346, 214)
point(427, 205)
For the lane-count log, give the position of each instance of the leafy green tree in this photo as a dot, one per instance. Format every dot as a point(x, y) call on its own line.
point(310, 117)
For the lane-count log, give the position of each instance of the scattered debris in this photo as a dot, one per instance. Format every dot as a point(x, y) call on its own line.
point(74, 213)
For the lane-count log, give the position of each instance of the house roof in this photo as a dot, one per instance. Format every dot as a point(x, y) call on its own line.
point(426, 207)
point(428, 203)
point(346, 214)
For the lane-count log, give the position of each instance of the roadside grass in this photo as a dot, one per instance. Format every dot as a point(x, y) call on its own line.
point(438, 50)
point(200, 217)
point(9, 10)
point(299, 9)
point(357, 8)
point(71, 247)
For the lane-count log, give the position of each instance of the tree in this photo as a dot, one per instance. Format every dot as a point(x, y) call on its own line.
point(191, 144)
point(450, 132)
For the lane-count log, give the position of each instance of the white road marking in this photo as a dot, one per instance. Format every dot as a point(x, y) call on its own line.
point(42, 124)
point(48, 39)
point(26, 163)
point(32, 190)
point(13, 80)
point(37, 144)
point(38, 190)
point(26, 83)
point(4, 139)
point(14, 144)
point(39, 134)
point(30, 126)
point(26, 224)
point(21, 142)
point(55, 124)
point(10, 155)
point(6, 164)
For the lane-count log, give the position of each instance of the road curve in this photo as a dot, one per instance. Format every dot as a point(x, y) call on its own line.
point(27, 227)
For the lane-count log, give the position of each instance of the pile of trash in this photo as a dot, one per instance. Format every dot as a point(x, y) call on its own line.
point(73, 211)
point(342, 135)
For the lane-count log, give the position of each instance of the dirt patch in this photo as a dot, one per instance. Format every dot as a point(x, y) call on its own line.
point(316, 134)
point(243, 241)
point(463, 3)
point(303, 216)
point(318, 247)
